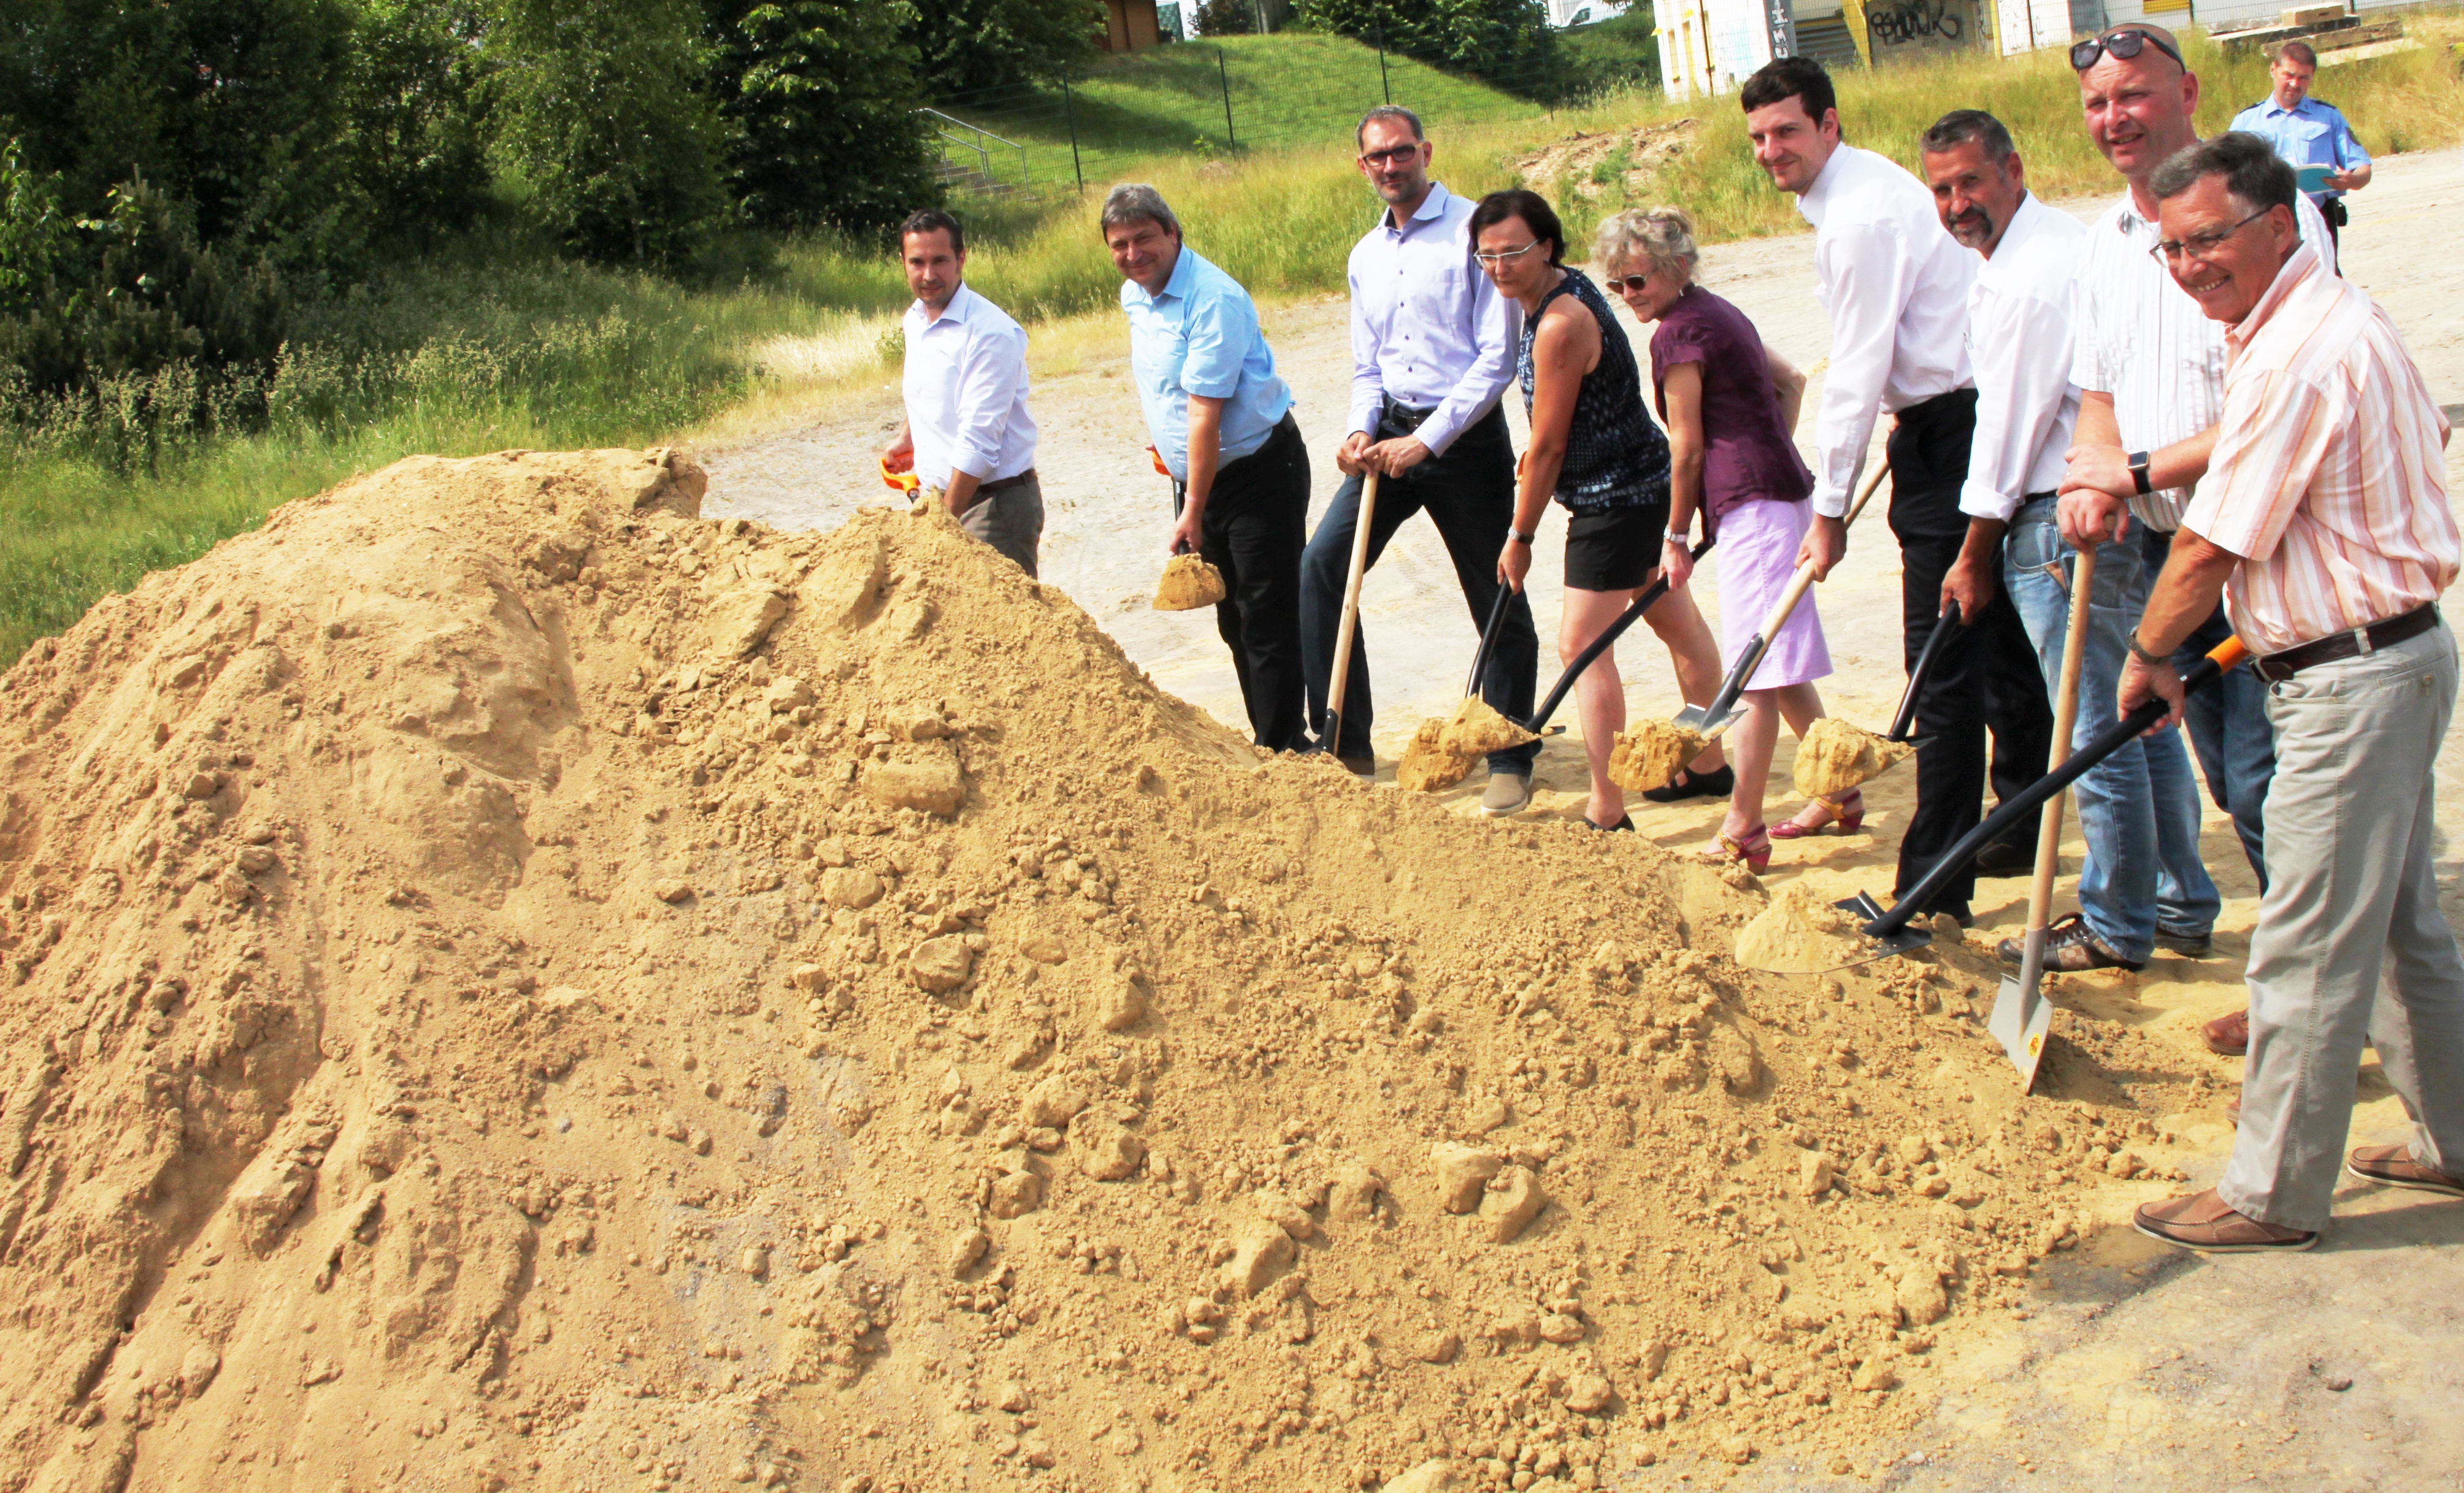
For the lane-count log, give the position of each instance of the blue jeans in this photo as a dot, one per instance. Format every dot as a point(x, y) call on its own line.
point(2228, 727)
point(2139, 808)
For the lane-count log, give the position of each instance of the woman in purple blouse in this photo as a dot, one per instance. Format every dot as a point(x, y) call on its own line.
point(1730, 406)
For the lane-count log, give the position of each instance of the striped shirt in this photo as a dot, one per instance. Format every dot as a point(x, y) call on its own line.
point(2329, 478)
point(2144, 341)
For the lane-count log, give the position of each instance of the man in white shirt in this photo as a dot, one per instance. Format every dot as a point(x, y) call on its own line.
point(967, 433)
point(2138, 809)
point(2150, 368)
point(1432, 349)
point(1896, 287)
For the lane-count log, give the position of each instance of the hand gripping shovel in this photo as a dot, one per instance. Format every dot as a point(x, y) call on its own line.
point(2020, 1019)
point(1891, 930)
point(1709, 720)
point(1330, 739)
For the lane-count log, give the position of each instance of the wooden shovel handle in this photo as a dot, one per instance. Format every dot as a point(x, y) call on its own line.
point(1351, 604)
point(2049, 828)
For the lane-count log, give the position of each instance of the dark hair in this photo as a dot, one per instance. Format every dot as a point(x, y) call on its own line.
point(932, 220)
point(1791, 78)
point(1529, 206)
point(2300, 52)
point(2255, 175)
point(1968, 127)
point(1385, 111)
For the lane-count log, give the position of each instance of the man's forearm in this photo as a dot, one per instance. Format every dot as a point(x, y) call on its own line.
point(960, 494)
point(1205, 451)
point(2186, 594)
point(1983, 543)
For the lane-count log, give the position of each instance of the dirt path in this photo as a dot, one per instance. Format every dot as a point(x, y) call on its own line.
point(2332, 1370)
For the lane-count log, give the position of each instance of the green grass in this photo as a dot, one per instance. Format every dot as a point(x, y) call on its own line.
point(477, 356)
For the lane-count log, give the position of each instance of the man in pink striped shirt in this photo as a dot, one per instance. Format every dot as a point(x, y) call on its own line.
point(2323, 522)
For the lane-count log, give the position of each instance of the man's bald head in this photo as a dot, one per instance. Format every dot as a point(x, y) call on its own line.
point(2139, 109)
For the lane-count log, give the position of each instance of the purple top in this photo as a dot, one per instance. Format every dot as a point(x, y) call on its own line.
point(1746, 454)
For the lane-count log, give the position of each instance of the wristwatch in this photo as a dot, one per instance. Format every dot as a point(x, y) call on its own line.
point(1676, 537)
point(1521, 537)
point(2139, 474)
point(2152, 660)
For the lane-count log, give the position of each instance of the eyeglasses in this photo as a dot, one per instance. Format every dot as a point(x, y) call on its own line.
point(2124, 44)
point(2199, 246)
point(1626, 284)
point(1511, 253)
point(1394, 156)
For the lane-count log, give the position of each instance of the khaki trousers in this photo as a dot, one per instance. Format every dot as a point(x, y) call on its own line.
point(2351, 945)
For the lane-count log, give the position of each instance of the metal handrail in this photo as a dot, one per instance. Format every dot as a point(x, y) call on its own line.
point(945, 130)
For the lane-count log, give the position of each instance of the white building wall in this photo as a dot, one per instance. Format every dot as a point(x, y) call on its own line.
point(1709, 46)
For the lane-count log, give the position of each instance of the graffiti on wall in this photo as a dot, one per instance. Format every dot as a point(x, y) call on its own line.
point(1903, 27)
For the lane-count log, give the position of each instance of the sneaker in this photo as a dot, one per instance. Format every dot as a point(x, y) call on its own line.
point(1688, 784)
point(2204, 1222)
point(2190, 946)
point(1509, 793)
point(2393, 1166)
point(2228, 1036)
point(2070, 946)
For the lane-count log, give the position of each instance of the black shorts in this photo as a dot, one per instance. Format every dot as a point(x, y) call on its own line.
point(1612, 548)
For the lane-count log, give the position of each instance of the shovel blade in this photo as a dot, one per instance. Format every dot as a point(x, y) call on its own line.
point(1918, 743)
point(1901, 940)
point(1692, 718)
point(2020, 1020)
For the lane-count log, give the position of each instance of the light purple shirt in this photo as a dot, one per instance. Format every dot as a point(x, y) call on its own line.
point(1428, 329)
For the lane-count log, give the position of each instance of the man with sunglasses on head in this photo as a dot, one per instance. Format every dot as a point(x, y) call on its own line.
point(1433, 349)
point(2150, 368)
point(1896, 285)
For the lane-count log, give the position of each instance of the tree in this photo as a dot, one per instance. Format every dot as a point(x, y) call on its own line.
point(417, 144)
point(822, 96)
point(1224, 18)
point(607, 116)
point(1509, 42)
point(967, 45)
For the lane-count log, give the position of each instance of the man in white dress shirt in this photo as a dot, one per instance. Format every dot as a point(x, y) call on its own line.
point(1432, 350)
point(1896, 287)
point(967, 433)
point(2138, 809)
point(2150, 367)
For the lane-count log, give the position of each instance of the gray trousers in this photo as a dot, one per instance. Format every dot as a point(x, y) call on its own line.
point(2351, 897)
point(1011, 522)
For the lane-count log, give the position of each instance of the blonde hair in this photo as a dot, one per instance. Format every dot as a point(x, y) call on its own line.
point(1664, 237)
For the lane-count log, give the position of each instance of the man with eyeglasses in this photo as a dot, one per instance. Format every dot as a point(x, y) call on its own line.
point(1432, 349)
point(1896, 286)
point(2323, 522)
point(2310, 135)
point(2150, 370)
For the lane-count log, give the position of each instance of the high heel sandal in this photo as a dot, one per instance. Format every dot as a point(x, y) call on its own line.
point(1847, 814)
point(1754, 849)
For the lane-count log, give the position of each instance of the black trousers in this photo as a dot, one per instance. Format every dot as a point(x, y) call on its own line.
point(1468, 494)
point(1986, 681)
point(1255, 519)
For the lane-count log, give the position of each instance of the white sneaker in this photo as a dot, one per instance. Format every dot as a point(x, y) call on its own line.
point(1509, 793)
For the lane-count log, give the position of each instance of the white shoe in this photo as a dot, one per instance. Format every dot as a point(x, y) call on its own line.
point(1509, 793)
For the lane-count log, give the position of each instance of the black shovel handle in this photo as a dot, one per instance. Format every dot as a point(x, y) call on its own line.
point(1926, 655)
point(2015, 810)
point(1487, 638)
point(1601, 645)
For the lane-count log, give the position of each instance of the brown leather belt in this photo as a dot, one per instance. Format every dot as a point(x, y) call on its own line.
point(2275, 667)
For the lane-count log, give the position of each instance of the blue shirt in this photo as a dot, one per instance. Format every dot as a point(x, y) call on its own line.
point(2309, 134)
point(1201, 335)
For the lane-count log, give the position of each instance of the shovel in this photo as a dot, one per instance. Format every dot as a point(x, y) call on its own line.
point(1330, 739)
point(1538, 724)
point(1707, 721)
point(2020, 1020)
point(1905, 720)
point(1890, 929)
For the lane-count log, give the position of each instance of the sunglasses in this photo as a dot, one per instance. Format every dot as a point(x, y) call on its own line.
point(2124, 44)
point(1626, 284)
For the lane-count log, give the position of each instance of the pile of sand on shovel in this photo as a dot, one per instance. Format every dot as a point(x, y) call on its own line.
point(1443, 752)
point(1800, 933)
point(1648, 755)
point(1188, 583)
point(1836, 756)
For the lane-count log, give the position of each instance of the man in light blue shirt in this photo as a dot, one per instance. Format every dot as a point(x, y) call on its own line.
point(1222, 422)
point(2310, 136)
point(1433, 349)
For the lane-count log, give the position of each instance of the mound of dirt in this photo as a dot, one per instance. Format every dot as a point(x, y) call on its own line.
point(1835, 756)
point(1800, 933)
point(1630, 158)
point(1188, 583)
point(516, 984)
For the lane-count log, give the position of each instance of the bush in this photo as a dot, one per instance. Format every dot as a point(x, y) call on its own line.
point(1509, 42)
point(965, 45)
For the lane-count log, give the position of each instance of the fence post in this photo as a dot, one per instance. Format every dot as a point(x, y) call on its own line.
point(1223, 76)
point(1069, 108)
point(1383, 85)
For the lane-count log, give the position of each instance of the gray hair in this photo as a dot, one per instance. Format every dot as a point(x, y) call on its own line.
point(1386, 111)
point(1135, 202)
point(1662, 237)
point(2255, 175)
point(1968, 127)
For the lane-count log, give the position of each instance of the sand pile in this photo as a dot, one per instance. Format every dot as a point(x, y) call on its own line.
point(1443, 753)
point(1188, 583)
point(1649, 753)
point(1835, 756)
point(517, 985)
point(1800, 933)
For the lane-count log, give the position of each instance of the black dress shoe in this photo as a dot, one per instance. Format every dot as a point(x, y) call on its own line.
point(1691, 785)
point(2002, 858)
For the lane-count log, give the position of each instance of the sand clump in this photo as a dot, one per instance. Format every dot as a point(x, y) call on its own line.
point(1800, 933)
point(1188, 583)
point(1835, 756)
point(517, 985)
point(1443, 753)
point(1649, 754)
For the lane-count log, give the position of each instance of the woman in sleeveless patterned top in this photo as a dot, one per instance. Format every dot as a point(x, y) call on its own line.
point(1594, 447)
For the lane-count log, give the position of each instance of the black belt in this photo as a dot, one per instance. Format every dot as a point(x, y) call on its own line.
point(2278, 667)
point(988, 489)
